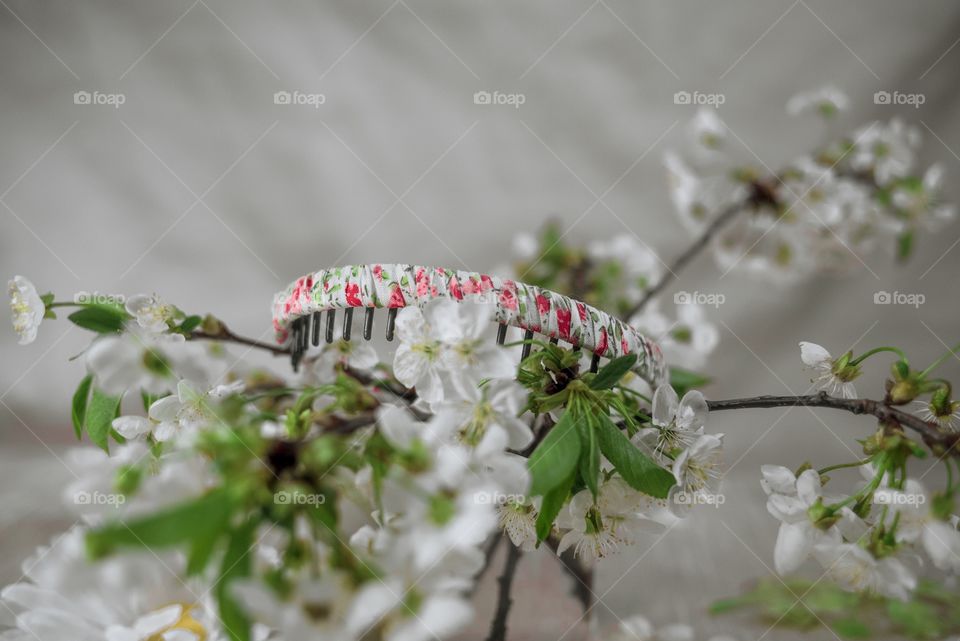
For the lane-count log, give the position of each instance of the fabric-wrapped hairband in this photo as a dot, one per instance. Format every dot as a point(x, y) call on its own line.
point(528, 307)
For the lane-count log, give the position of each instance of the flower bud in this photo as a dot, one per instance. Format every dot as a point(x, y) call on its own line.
point(902, 392)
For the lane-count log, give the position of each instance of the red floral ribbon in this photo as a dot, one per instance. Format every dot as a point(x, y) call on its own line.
point(518, 304)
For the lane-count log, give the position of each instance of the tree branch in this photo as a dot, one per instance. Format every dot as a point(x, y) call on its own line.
point(582, 585)
point(498, 628)
point(224, 335)
point(689, 254)
point(939, 441)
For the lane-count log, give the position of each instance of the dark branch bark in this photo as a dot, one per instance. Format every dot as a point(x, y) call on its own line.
point(939, 441)
point(582, 585)
point(689, 254)
point(227, 336)
point(488, 554)
point(498, 629)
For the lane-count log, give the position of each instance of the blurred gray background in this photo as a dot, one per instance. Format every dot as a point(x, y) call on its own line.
point(202, 189)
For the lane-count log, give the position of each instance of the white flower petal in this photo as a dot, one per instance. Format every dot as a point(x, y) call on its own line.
point(812, 354)
point(665, 403)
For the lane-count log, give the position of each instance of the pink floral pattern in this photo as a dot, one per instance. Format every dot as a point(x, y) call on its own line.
point(518, 304)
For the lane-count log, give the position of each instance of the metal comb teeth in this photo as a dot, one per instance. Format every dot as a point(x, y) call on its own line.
point(305, 331)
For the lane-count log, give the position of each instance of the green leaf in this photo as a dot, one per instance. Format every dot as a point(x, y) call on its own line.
point(100, 413)
point(180, 524)
point(683, 380)
point(215, 524)
point(550, 507)
point(556, 457)
point(723, 606)
point(589, 455)
point(851, 628)
point(190, 323)
point(148, 399)
point(78, 412)
point(103, 319)
point(915, 618)
point(636, 468)
point(612, 372)
point(905, 245)
point(236, 564)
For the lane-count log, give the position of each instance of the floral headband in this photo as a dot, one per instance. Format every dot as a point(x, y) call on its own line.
point(531, 308)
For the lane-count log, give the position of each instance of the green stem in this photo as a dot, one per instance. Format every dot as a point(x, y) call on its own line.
point(840, 466)
point(939, 361)
point(877, 350)
point(867, 489)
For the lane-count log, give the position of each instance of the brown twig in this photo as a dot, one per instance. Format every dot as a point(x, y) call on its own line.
point(582, 585)
point(689, 254)
point(498, 628)
point(226, 336)
point(938, 440)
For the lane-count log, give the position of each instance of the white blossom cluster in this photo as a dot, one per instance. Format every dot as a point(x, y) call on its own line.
point(851, 547)
point(822, 211)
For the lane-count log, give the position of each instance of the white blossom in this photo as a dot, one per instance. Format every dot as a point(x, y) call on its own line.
point(598, 529)
point(825, 101)
point(151, 313)
point(854, 568)
point(129, 597)
point(27, 308)
point(829, 378)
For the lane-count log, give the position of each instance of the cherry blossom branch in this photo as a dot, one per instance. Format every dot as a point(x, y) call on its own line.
point(223, 334)
point(582, 574)
point(498, 628)
point(688, 255)
point(931, 433)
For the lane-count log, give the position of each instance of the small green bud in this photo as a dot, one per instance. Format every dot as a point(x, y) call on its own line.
point(211, 325)
point(902, 392)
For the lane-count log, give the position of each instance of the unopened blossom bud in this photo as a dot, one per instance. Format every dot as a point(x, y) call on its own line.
point(902, 392)
point(211, 325)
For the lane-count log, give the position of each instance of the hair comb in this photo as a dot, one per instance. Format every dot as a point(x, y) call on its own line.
point(298, 311)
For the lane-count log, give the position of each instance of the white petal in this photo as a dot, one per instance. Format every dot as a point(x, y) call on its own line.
point(410, 325)
point(438, 618)
point(794, 543)
point(131, 426)
point(812, 354)
point(397, 426)
point(777, 479)
point(665, 403)
point(371, 603)
point(942, 542)
point(157, 620)
point(808, 486)
point(692, 411)
point(165, 409)
point(363, 356)
point(409, 365)
point(165, 431)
